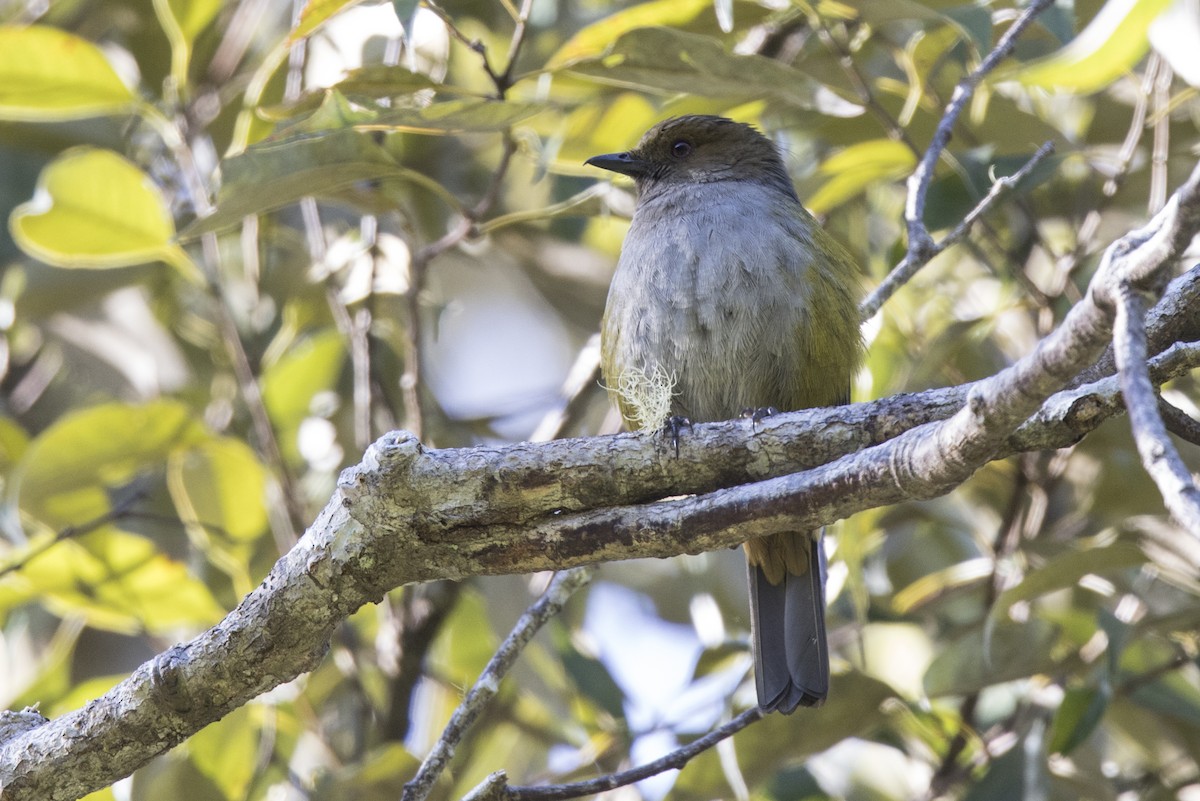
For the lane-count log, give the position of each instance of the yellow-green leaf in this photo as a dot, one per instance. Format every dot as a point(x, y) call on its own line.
point(13, 441)
point(221, 484)
point(67, 470)
point(227, 751)
point(47, 74)
point(121, 582)
point(314, 14)
point(1111, 45)
point(857, 167)
point(290, 383)
point(94, 209)
point(599, 36)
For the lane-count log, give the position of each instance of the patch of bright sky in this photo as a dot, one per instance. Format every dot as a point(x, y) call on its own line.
point(653, 662)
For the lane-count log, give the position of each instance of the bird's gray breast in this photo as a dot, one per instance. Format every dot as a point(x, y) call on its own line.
point(710, 289)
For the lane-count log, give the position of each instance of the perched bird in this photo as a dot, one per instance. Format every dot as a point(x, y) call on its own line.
point(729, 296)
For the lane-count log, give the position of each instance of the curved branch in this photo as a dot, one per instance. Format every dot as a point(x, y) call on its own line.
point(406, 514)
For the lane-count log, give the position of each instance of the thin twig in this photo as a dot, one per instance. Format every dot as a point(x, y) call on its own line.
point(119, 510)
point(1159, 456)
point(919, 241)
point(1179, 422)
point(672, 761)
point(552, 601)
point(910, 264)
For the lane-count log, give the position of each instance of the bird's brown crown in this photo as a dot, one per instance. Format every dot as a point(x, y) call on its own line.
point(702, 149)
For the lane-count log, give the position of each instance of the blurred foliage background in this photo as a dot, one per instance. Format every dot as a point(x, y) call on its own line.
point(246, 238)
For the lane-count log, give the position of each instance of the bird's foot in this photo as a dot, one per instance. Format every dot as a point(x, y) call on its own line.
point(756, 416)
point(674, 427)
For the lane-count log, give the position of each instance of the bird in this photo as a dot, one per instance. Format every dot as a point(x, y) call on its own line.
point(729, 296)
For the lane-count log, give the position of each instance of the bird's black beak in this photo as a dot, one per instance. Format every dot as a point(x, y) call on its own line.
point(623, 163)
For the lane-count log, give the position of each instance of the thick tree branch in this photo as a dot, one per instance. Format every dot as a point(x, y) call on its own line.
point(406, 514)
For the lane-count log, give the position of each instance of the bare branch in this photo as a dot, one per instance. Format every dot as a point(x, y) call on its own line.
point(919, 241)
point(908, 266)
point(672, 761)
point(1159, 456)
point(552, 601)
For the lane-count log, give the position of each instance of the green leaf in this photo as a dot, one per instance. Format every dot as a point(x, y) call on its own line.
point(853, 709)
point(467, 640)
point(1111, 45)
point(465, 115)
point(373, 81)
point(182, 21)
point(117, 580)
point(858, 166)
point(120, 582)
point(95, 210)
point(1077, 716)
point(1065, 570)
point(716, 658)
point(1015, 652)
point(309, 367)
point(274, 174)
point(1016, 774)
point(220, 484)
point(47, 74)
point(590, 675)
point(315, 14)
point(596, 38)
point(68, 469)
point(379, 775)
point(664, 60)
point(13, 441)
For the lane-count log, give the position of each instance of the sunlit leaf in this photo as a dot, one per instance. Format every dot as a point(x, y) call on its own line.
point(664, 60)
point(94, 209)
point(315, 14)
point(1112, 43)
point(120, 582)
point(377, 775)
point(597, 37)
point(13, 441)
point(311, 366)
point(90, 451)
point(227, 751)
point(221, 484)
point(466, 115)
point(858, 166)
point(274, 174)
point(195, 16)
point(182, 21)
point(48, 74)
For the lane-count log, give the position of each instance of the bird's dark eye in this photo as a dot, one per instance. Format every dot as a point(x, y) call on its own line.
point(681, 149)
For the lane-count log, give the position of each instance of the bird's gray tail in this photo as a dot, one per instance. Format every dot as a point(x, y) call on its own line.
point(791, 653)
